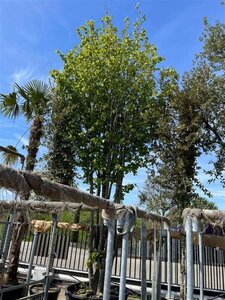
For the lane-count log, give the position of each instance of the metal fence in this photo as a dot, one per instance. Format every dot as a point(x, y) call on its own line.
point(73, 255)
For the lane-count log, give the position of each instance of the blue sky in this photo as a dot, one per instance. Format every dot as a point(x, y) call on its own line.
point(32, 30)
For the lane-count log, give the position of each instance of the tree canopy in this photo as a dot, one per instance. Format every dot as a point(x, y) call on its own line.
point(108, 84)
point(191, 122)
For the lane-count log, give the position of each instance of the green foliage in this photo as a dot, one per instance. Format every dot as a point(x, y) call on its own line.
point(95, 258)
point(9, 106)
point(214, 41)
point(29, 99)
point(158, 199)
point(202, 203)
point(108, 86)
point(191, 122)
point(177, 146)
point(61, 157)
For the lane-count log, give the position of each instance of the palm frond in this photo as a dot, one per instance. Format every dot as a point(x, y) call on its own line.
point(9, 106)
point(36, 94)
point(10, 155)
point(35, 90)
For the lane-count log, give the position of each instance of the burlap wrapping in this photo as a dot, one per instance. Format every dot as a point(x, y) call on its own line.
point(45, 226)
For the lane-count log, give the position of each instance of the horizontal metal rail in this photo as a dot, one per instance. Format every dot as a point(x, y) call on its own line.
point(72, 254)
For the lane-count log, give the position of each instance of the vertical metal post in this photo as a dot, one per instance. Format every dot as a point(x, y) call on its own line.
point(143, 260)
point(109, 259)
point(159, 265)
point(154, 276)
point(33, 249)
point(124, 261)
point(7, 238)
point(169, 264)
point(50, 255)
point(189, 255)
point(201, 269)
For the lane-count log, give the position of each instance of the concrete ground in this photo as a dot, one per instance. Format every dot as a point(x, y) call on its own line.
point(62, 292)
point(63, 297)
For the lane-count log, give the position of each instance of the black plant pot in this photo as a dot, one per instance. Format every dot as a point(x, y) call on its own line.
point(12, 295)
point(53, 291)
point(75, 287)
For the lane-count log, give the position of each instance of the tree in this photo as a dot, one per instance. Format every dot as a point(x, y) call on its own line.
point(108, 83)
point(61, 157)
point(213, 51)
point(32, 100)
point(213, 59)
point(158, 199)
point(178, 143)
point(192, 121)
point(108, 86)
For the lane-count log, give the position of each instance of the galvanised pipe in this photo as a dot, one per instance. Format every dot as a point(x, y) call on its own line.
point(109, 259)
point(189, 257)
point(169, 264)
point(201, 269)
point(50, 255)
point(7, 238)
point(143, 260)
point(33, 249)
point(124, 255)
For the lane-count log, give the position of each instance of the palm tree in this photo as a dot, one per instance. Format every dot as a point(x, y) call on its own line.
point(32, 100)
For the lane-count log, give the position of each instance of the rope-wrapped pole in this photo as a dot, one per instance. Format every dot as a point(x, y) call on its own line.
point(24, 182)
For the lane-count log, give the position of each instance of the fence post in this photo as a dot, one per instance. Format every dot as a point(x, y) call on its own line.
point(189, 256)
point(143, 260)
point(33, 249)
point(124, 255)
point(109, 258)
point(50, 255)
point(169, 263)
point(201, 269)
point(159, 266)
point(154, 287)
point(7, 239)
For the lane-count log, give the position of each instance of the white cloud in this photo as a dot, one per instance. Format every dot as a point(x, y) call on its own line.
point(22, 75)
